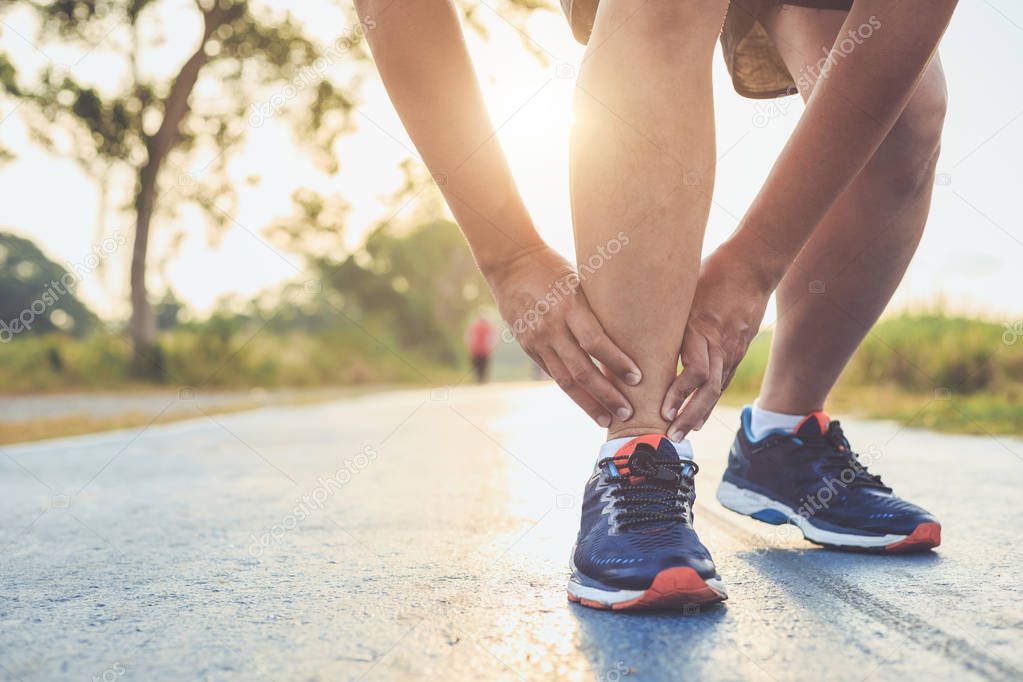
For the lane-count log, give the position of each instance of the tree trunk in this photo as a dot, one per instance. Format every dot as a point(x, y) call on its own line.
point(143, 323)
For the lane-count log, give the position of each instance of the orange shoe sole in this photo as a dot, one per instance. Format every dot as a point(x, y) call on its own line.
point(924, 537)
point(672, 588)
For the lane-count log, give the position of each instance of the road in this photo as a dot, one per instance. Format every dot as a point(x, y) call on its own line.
point(152, 403)
point(425, 534)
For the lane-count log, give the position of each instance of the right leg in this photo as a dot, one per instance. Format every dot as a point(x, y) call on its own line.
point(642, 174)
point(862, 247)
point(642, 168)
point(804, 473)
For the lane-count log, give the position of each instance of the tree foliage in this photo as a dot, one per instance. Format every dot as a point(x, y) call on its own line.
point(37, 295)
point(422, 284)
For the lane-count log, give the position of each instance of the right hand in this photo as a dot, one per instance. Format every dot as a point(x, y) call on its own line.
point(539, 296)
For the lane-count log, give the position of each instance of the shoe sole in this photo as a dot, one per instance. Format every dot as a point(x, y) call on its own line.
point(671, 589)
point(762, 508)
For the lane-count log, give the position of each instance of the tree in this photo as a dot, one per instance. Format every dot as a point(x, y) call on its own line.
point(141, 122)
point(414, 276)
point(37, 295)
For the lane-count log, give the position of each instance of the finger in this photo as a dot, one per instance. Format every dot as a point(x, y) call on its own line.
point(695, 372)
point(729, 375)
point(695, 412)
point(557, 371)
point(586, 375)
point(535, 357)
point(594, 340)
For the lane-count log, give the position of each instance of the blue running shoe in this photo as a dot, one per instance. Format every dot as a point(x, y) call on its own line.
point(810, 477)
point(637, 548)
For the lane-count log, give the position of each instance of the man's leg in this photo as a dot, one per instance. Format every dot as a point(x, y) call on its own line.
point(642, 174)
point(642, 168)
point(788, 451)
point(848, 270)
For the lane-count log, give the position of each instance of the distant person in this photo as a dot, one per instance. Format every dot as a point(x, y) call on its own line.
point(480, 338)
point(832, 231)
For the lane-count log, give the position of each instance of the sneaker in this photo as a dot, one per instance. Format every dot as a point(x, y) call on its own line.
point(637, 548)
point(810, 477)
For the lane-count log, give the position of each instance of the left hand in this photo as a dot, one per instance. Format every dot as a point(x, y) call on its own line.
point(725, 316)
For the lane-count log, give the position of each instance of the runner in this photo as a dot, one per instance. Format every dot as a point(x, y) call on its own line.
point(831, 230)
point(480, 338)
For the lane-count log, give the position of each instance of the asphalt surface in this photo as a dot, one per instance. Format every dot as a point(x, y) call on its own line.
point(150, 403)
point(423, 534)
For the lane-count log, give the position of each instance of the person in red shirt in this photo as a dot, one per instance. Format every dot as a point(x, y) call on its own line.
point(480, 339)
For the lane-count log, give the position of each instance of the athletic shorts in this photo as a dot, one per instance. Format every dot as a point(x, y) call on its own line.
point(753, 61)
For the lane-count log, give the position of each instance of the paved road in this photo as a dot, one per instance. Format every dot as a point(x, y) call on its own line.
point(153, 403)
point(422, 535)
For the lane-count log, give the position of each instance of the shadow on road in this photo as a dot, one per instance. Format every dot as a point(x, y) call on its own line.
point(617, 644)
point(670, 646)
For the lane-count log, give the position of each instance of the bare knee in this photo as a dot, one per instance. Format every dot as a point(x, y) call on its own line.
point(919, 127)
point(684, 23)
point(906, 159)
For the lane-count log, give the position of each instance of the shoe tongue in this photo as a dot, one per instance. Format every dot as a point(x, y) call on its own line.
point(660, 466)
point(649, 457)
point(813, 424)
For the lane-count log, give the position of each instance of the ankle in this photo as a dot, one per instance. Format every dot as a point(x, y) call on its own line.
point(631, 430)
point(789, 404)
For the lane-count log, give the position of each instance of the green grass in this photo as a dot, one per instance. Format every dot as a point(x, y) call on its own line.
point(243, 358)
point(928, 369)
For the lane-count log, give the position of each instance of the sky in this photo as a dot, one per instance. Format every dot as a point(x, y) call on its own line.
point(969, 259)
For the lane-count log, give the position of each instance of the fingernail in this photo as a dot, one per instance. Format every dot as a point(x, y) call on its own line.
point(623, 413)
point(604, 421)
point(698, 425)
point(633, 378)
point(675, 436)
point(670, 413)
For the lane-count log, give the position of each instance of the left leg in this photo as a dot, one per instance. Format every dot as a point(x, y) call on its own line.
point(850, 267)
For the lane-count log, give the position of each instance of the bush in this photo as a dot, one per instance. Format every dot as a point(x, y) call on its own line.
point(221, 356)
point(918, 353)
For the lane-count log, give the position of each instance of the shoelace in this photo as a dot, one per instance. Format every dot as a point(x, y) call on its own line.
point(839, 457)
point(662, 497)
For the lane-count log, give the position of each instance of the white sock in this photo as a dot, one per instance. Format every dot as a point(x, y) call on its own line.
point(764, 421)
point(608, 449)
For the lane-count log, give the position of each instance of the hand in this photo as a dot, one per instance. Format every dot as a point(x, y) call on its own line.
point(539, 297)
point(725, 316)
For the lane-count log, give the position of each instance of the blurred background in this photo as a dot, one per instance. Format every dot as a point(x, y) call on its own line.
point(287, 245)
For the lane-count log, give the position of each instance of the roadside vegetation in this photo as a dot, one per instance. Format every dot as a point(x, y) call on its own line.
point(393, 312)
point(930, 370)
point(927, 369)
